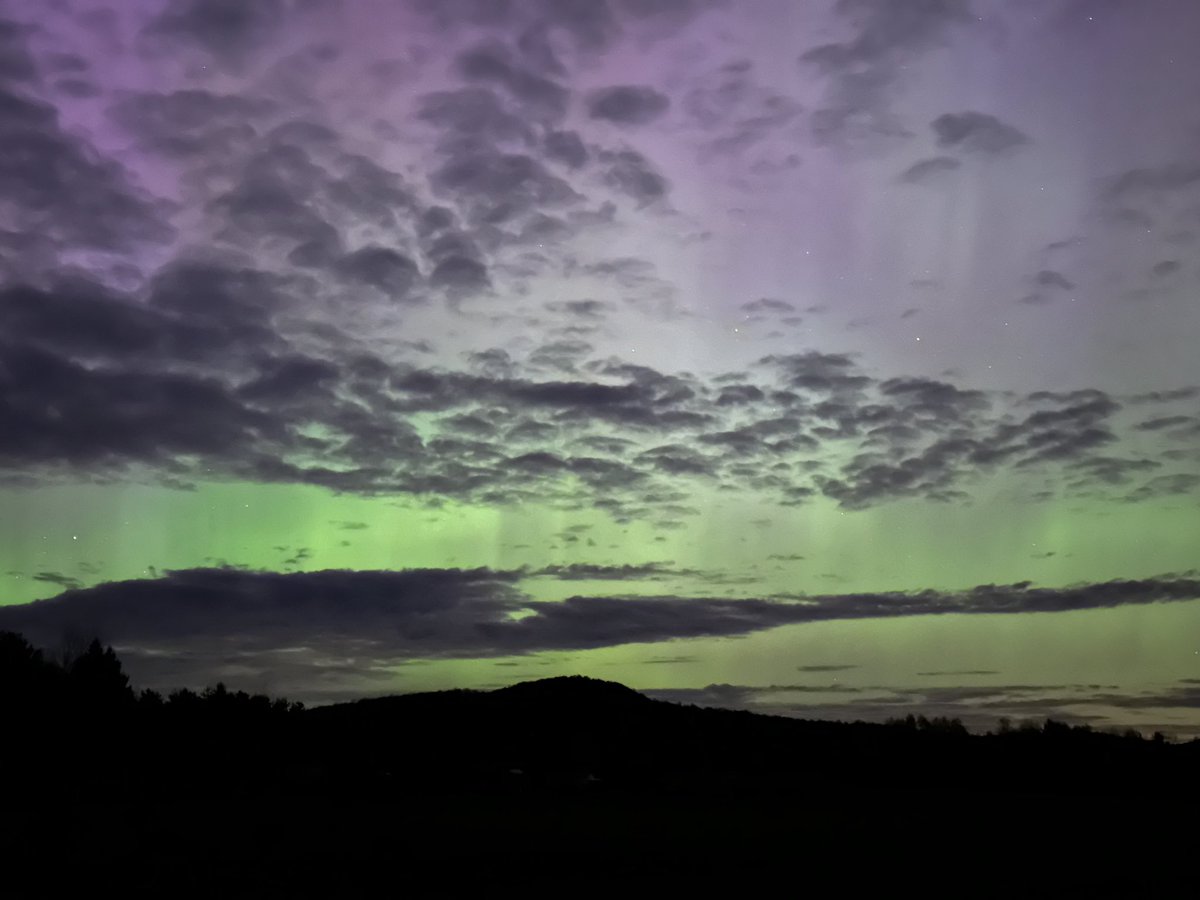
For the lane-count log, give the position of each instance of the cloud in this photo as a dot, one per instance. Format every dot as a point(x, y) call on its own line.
point(975, 132)
point(566, 147)
point(492, 61)
point(562, 355)
point(63, 581)
point(192, 122)
point(673, 12)
point(66, 414)
point(547, 31)
point(473, 114)
point(1153, 180)
point(1046, 285)
point(928, 171)
point(379, 267)
point(1157, 200)
point(1171, 396)
point(592, 25)
point(1067, 433)
point(453, 612)
point(79, 88)
point(735, 116)
point(57, 185)
point(229, 30)
point(627, 104)
point(630, 173)
point(84, 322)
point(461, 273)
point(1165, 486)
point(736, 394)
point(16, 63)
point(589, 310)
point(188, 626)
point(627, 572)
point(671, 660)
point(819, 372)
point(221, 393)
point(1162, 422)
point(768, 305)
point(1051, 279)
point(977, 707)
point(265, 207)
point(493, 186)
point(862, 73)
point(767, 699)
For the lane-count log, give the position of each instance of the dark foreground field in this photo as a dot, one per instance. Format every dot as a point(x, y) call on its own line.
point(332, 840)
point(565, 785)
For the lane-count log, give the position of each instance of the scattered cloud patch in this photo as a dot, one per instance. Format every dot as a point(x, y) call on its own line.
point(930, 171)
point(627, 104)
point(975, 132)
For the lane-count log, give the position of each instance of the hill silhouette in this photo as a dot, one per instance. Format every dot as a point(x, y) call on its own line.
point(574, 729)
point(593, 692)
point(538, 779)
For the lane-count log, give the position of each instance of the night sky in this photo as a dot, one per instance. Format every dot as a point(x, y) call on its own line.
point(835, 359)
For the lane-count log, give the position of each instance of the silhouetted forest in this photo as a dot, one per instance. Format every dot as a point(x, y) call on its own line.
point(543, 777)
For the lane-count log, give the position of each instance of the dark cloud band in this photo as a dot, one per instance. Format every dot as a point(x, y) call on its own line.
point(427, 613)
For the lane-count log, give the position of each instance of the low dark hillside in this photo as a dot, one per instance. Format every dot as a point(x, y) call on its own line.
point(577, 730)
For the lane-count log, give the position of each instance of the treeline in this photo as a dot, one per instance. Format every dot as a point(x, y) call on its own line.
point(92, 679)
point(77, 719)
point(74, 724)
point(1049, 727)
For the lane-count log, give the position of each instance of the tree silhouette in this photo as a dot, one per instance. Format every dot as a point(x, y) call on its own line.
point(97, 679)
point(27, 680)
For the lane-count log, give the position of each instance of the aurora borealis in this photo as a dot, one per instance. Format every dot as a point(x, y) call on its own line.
point(834, 358)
